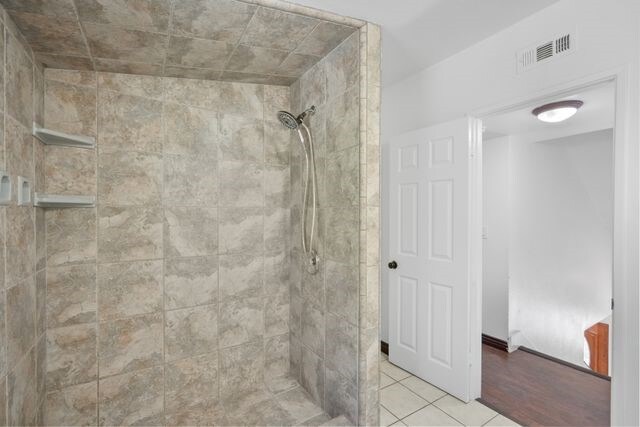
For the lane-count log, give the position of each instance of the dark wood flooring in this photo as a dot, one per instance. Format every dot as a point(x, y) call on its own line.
point(535, 391)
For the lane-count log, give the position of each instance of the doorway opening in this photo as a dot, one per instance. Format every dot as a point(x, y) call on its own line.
point(547, 261)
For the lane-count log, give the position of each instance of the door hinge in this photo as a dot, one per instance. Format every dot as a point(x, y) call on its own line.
point(611, 303)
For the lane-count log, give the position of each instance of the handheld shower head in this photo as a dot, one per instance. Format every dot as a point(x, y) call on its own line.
point(292, 122)
point(288, 120)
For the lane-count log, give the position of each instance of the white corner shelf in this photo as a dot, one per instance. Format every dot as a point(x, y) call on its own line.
point(58, 201)
point(52, 137)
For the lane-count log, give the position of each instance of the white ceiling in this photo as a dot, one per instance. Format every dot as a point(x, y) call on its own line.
point(597, 113)
point(420, 33)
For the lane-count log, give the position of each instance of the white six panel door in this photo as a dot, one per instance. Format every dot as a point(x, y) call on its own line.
point(429, 227)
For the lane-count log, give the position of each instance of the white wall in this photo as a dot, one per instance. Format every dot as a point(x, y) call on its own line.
point(560, 241)
point(485, 75)
point(495, 244)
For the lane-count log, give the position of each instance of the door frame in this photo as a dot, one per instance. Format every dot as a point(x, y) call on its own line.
point(624, 369)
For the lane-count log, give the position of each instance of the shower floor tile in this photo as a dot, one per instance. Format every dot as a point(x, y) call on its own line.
point(287, 404)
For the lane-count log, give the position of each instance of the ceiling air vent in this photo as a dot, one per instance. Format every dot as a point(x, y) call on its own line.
point(545, 51)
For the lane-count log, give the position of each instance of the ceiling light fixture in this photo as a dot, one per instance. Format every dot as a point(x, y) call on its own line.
point(557, 111)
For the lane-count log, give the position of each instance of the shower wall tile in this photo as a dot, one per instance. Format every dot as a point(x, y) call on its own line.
point(312, 376)
point(343, 67)
point(71, 356)
point(136, 85)
point(190, 180)
point(130, 344)
point(69, 171)
point(41, 369)
point(276, 141)
point(129, 233)
point(240, 229)
point(342, 177)
point(369, 341)
point(327, 303)
point(241, 321)
point(190, 131)
point(241, 275)
point(241, 184)
point(129, 179)
point(342, 290)
point(21, 392)
point(313, 86)
point(19, 82)
point(313, 325)
point(20, 315)
point(183, 267)
point(129, 123)
point(3, 337)
point(242, 373)
point(71, 295)
point(129, 289)
point(241, 138)
point(22, 244)
point(342, 354)
point(276, 273)
point(71, 236)
point(135, 398)
point(342, 235)
point(277, 186)
point(276, 228)
point(223, 97)
point(343, 399)
point(201, 413)
point(276, 356)
point(18, 149)
point(276, 314)
point(276, 98)
point(190, 231)
point(70, 107)
point(342, 121)
point(190, 281)
point(191, 381)
point(20, 253)
point(75, 405)
point(190, 331)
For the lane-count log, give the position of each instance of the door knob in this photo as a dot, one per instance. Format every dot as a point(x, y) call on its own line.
point(393, 265)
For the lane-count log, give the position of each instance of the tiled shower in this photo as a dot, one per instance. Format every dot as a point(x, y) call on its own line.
point(154, 275)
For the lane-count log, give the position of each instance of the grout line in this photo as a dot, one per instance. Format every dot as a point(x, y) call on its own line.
point(233, 51)
point(83, 33)
point(169, 35)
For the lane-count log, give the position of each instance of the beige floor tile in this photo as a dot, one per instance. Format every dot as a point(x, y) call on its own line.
point(423, 388)
point(393, 371)
point(385, 380)
point(472, 414)
point(386, 417)
point(400, 401)
point(430, 416)
point(501, 421)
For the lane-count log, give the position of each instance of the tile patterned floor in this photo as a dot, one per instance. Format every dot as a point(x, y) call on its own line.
point(406, 400)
